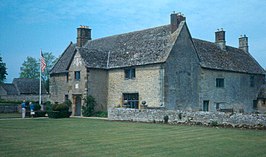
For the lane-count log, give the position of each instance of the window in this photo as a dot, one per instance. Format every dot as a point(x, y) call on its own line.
point(77, 75)
point(67, 75)
point(66, 97)
point(220, 82)
point(206, 105)
point(131, 100)
point(130, 73)
point(252, 81)
point(217, 106)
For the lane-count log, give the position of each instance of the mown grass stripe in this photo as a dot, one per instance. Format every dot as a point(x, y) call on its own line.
point(87, 137)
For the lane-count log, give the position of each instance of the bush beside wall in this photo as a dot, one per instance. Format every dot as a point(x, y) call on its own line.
point(59, 114)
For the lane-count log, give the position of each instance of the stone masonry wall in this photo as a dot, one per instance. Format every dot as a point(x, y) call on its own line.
point(58, 87)
point(181, 74)
point(9, 109)
point(177, 116)
point(236, 93)
point(97, 87)
point(148, 84)
point(25, 97)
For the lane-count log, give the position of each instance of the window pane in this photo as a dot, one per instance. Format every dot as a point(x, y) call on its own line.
point(131, 100)
point(130, 73)
point(219, 82)
point(77, 75)
point(127, 73)
point(133, 73)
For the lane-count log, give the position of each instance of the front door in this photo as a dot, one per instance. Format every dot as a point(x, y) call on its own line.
point(206, 105)
point(77, 101)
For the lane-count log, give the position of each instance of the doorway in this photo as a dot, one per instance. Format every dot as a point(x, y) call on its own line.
point(77, 103)
point(206, 105)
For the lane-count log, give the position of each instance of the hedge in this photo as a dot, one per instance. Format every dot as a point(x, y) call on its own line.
point(59, 114)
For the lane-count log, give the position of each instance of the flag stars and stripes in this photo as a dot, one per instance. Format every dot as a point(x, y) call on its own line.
point(43, 64)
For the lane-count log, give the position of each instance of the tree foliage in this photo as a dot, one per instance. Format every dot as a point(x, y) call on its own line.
point(50, 60)
point(3, 70)
point(88, 107)
point(30, 68)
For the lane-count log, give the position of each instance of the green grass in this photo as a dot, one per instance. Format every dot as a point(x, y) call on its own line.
point(90, 137)
point(10, 115)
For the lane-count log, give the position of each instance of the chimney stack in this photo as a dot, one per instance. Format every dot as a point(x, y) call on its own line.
point(243, 43)
point(220, 38)
point(176, 19)
point(83, 35)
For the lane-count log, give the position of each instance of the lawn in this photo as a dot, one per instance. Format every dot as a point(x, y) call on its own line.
point(10, 115)
point(90, 137)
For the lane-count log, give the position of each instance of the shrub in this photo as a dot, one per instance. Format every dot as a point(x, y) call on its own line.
point(88, 107)
point(214, 123)
point(68, 103)
point(59, 114)
point(40, 114)
point(48, 106)
point(180, 116)
point(60, 107)
point(101, 114)
point(58, 110)
point(37, 107)
point(166, 118)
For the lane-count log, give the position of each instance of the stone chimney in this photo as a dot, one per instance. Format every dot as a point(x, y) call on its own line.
point(220, 39)
point(83, 35)
point(243, 43)
point(176, 19)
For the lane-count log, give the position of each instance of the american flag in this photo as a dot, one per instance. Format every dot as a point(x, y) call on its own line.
point(43, 64)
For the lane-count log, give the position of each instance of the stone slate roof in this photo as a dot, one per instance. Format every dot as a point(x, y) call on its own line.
point(9, 88)
point(28, 86)
point(64, 61)
point(131, 49)
point(23, 86)
point(153, 46)
point(233, 59)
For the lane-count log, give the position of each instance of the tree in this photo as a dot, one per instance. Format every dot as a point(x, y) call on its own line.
point(50, 60)
point(3, 71)
point(30, 68)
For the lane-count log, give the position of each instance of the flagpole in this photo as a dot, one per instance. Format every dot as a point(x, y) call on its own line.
point(40, 88)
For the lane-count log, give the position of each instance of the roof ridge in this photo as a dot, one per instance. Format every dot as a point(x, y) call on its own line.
point(230, 46)
point(116, 35)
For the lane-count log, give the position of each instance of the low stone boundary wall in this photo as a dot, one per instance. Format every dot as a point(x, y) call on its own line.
point(198, 118)
point(45, 97)
point(8, 109)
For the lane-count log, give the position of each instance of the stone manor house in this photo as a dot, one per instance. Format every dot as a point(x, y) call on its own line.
point(162, 66)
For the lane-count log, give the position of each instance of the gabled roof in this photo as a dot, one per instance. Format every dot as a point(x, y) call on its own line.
point(64, 61)
point(131, 49)
point(22, 86)
point(151, 46)
point(9, 88)
point(28, 86)
point(232, 59)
